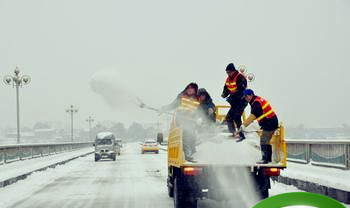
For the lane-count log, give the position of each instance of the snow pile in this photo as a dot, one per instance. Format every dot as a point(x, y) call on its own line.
point(224, 150)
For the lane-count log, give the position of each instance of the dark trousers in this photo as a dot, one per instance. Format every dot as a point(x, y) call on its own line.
point(266, 148)
point(234, 116)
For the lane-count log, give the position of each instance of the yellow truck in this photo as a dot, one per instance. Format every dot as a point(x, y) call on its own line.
point(189, 181)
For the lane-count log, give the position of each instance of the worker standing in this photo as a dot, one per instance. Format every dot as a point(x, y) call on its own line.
point(233, 90)
point(186, 105)
point(261, 111)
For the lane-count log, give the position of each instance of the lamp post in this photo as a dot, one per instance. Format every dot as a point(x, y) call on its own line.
point(90, 120)
point(17, 81)
point(71, 110)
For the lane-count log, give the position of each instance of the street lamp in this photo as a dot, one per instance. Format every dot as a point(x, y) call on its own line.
point(72, 110)
point(17, 81)
point(90, 120)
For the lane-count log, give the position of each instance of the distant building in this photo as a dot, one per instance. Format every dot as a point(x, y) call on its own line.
point(45, 135)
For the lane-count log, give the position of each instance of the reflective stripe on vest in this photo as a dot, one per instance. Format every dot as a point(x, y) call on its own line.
point(188, 104)
point(266, 107)
point(232, 84)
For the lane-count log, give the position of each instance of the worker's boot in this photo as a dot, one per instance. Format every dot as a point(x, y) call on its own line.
point(241, 137)
point(264, 152)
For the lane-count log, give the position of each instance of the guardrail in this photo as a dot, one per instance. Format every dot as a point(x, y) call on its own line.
point(11, 153)
point(322, 152)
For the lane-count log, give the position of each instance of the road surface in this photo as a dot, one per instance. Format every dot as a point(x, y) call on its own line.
point(134, 180)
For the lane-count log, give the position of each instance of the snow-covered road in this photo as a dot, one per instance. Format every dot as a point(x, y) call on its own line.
point(134, 180)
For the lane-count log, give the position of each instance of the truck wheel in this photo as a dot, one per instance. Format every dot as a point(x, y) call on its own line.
point(170, 190)
point(192, 203)
point(157, 152)
point(265, 194)
point(179, 201)
point(114, 158)
point(96, 158)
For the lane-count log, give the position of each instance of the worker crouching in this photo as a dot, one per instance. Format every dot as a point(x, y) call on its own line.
point(261, 111)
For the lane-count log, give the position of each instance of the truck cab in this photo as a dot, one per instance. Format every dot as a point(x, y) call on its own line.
point(189, 181)
point(106, 146)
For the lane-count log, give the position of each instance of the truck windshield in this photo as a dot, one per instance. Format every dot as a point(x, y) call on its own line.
point(103, 141)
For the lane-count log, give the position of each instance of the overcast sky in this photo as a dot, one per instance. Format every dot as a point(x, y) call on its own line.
point(81, 51)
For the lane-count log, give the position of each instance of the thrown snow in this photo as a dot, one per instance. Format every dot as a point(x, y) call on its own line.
point(112, 87)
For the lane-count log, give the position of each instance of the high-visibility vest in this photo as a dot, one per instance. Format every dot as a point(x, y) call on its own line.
point(188, 104)
point(232, 84)
point(266, 107)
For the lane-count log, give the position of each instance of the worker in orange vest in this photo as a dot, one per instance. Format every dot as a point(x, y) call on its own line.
point(233, 90)
point(261, 111)
point(186, 105)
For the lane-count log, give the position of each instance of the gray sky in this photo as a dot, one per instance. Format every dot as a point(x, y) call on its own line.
point(298, 50)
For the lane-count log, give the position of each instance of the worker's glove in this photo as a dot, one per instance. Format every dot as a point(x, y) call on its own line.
point(242, 128)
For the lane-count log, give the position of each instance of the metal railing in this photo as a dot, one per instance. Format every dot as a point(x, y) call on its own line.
point(322, 152)
point(12, 153)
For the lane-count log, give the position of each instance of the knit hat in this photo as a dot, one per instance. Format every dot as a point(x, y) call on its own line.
point(230, 67)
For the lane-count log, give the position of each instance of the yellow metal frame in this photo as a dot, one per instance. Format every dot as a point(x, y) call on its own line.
point(279, 147)
point(220, 117)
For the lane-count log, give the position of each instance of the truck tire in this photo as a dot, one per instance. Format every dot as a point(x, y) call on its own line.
point(170, 185)
point(179, 201)
point(114, 158)
point(192, 203)
point(170, 191)
point(157, 152)
point(264, 194)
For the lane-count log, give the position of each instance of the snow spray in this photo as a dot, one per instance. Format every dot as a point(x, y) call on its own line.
point(112, 87)
point(230, 180)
